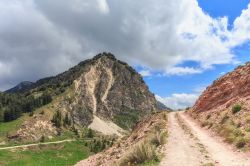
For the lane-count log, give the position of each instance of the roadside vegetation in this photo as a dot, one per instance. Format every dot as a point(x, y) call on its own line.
point(146, 152)
point(232, 124)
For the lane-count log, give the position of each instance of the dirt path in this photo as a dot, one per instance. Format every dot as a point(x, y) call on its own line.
point(190, 145)
point(36, 144)
point(222, 154)
point(183, 149)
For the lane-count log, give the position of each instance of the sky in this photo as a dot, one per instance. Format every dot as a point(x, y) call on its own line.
point(179, 46)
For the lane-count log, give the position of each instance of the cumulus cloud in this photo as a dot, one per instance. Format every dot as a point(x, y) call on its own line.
point(145, 73)
point(42, 37)
point(178, 101)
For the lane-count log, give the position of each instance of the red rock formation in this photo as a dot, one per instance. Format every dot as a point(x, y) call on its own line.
point(232, 88)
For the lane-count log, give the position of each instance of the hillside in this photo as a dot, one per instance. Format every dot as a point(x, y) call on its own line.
point(224, 107)
point(144, 145)
point(161, 106)
point(102, 93)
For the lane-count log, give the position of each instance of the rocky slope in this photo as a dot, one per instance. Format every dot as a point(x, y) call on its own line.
point(145, 143)
point(94, 94)
point(225, 106)
point(232, 88)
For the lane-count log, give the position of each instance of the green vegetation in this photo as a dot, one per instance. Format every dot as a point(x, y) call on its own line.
point(233, 128)
point(240, 142)
point(12, 106)
point(57, 119)
point(65, 154)
point(140, 153)
point(7, 128)
point(99, 144)
point(127, 119)
point(236, 108)
point(144, 153)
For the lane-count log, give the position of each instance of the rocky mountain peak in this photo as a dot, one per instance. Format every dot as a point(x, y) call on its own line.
point(109, 88)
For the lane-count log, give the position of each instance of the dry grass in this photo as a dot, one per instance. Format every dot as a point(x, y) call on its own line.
point(141, 152)
point(147, 149)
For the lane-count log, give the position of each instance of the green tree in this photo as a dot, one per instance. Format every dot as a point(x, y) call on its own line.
point(57, 119)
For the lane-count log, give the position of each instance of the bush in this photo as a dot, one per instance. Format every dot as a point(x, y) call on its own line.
point(159, 138)
point(248, 119)
point(42, 139)
point(247, 128)
point(241, 142)
point(90, 133)
point(236, 108)
point(139, 154)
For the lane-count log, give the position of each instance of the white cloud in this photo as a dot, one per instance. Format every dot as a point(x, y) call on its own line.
point(159, 35)
point(145, 73)
point(103, 5)
point(178, 101)
point(182, 71)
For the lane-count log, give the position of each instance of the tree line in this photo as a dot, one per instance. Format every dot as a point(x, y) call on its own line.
point(13, 105)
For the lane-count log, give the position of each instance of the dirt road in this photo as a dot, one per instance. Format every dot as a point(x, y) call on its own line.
point(190, 145)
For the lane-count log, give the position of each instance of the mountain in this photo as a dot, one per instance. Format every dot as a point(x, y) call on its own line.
point(225, 106)
point(161, 106)
point(102, 93)
point(21, 87)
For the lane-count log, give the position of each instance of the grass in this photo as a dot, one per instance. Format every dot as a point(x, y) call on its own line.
point(65, 154)
point(127, 119)
point(208, 164)
point(236, 108)
point(10, 127)
point(145, 152)
point(141, 153)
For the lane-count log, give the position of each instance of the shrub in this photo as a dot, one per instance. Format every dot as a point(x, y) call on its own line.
point(231, 138)
point(247, 128)
point(248, 119)
point(57, 118)
point(90, 133)
point(139, 154)
point(225, 117)
point(159, 138)
point(236, 108)
point(208, 116)
point(241, 142)
point(42, 139)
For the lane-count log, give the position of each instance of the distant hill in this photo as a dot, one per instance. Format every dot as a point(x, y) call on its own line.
point(21, 87)
point(161, 106)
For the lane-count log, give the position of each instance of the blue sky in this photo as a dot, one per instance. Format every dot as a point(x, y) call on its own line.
point(195, 83)
point(180, 46)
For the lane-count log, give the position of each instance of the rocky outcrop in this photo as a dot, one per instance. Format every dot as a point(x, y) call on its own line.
point(108, 87)
point(228, 90)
